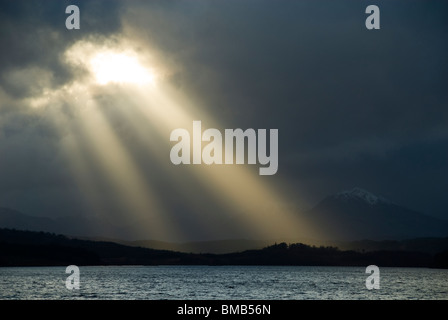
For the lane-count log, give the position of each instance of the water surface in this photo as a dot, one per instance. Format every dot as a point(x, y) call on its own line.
point(222, 282)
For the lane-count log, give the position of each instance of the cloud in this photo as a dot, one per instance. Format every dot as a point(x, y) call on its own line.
point(34, 36)
point(353, 107)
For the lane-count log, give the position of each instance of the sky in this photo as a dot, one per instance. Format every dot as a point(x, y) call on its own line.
point(86, 115)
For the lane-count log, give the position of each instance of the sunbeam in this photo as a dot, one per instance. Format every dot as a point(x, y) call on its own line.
point(116, 85)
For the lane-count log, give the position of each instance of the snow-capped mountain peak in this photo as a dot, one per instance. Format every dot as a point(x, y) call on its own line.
point(360, 194)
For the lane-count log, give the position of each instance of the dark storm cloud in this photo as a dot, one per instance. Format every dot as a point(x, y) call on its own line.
point(353, 107)
point(314, 63)
point(33, 34)
point(33, 37)
point(346, 100)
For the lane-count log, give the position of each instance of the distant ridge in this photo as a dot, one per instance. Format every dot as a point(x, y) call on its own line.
point(27, 248)
point(350, 215)
point(10, 218)
point(358, 214)
point(214, 246)
point(358, 194)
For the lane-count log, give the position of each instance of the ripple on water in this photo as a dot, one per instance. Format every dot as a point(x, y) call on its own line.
point(231, 282)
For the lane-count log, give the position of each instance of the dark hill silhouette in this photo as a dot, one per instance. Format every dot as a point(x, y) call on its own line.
point(427, 245)
point(212, 246)
point(27, 248)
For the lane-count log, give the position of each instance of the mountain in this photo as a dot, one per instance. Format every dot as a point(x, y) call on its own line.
point(358, 214)
point(14, 219)
point(69, 225)
point(350, 215)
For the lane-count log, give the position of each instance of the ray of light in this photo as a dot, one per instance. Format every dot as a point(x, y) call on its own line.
point(76, 155)
point(121, 171)
point(252, 204)
point(89, 133)
point(251, 201)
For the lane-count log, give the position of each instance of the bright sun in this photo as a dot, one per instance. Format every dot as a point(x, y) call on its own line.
point(120, 68)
